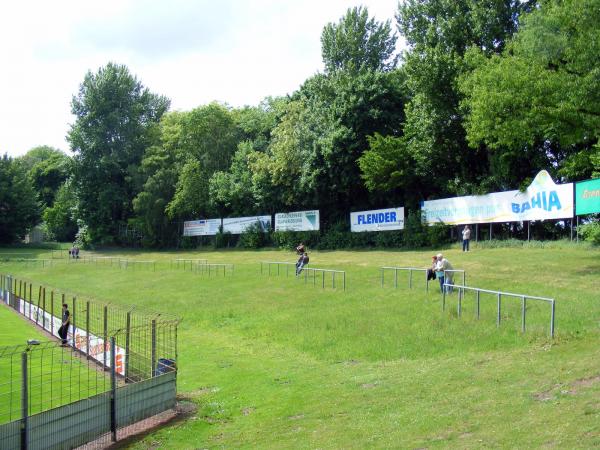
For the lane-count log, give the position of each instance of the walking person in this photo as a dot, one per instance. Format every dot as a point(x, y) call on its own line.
point(466, 236)
point(63, 331)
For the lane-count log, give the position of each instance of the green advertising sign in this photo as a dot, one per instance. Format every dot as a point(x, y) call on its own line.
point(587, 197)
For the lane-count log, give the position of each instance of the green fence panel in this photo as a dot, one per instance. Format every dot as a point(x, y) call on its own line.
point(10, 435)
point(71, 425)
point(138, 401)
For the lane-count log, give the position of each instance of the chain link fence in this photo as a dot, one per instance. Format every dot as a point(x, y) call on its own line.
point(117, 367)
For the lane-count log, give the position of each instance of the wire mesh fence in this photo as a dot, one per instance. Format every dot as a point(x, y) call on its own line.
point(107, 349)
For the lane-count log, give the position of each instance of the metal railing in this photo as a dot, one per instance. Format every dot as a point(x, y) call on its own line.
point(333, 273)
point(175, 263)
point(214, 268)
point(410, 271)
point(27, 261)
point(499, 295)
point(133, 263)
point(278, 264)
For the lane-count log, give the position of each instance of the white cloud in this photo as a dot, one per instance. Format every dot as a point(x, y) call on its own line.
point(193, 52)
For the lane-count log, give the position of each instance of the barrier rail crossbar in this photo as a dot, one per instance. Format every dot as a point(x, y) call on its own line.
point(185, 261)
point(278, 264)
point(214, 268)
point(125, 263)
point(333, 273)
point(29, 260)
point(410, 271)
point(499, 295)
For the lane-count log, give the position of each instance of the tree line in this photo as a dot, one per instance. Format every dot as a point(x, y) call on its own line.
point(485, 95)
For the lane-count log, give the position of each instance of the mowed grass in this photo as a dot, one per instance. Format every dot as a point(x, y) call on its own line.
point(273, 362)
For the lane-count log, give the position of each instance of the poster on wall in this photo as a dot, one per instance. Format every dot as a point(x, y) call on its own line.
point(377, 220)
point(297, 221)
point(542, 200)
point(587, 197)
point(206, 227)
point(237, 225)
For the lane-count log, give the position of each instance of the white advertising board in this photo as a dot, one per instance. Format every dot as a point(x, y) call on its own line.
point(542, 200)
point(377, 220)
point(297, 221)
point(237, 225)
point(206, 227)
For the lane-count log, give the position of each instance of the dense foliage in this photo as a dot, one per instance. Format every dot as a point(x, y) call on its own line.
point(486, 94)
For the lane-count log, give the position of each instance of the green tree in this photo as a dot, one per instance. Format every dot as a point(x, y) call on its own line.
point(19, 206)
point(358, 42)
point(60, 218)
point(116, 120)
point(438, 33)
point(48, 168)
point(540, 97)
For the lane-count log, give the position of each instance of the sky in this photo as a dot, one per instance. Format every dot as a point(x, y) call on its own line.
point(193, 52)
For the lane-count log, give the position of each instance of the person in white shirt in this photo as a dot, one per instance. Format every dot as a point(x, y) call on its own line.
point(440, 269)
point(466, 235)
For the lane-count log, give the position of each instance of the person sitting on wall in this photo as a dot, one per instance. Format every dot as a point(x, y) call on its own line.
point(302, 261)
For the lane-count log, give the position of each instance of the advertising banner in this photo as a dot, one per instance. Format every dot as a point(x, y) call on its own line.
point(542, 200)
point(297, 221)
point(237, 225)
point(206, 227)
point(377, 220)
point(587, 197)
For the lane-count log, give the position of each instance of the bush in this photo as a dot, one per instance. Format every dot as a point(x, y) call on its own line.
point(224, 239)
point(83, 239)
point(254, 237)
point(415, 231)
point(591, 232)
point(290, 239)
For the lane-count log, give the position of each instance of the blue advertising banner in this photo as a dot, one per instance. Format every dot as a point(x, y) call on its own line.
point(377, 220)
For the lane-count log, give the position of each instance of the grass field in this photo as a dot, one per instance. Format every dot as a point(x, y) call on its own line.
point(276, 363)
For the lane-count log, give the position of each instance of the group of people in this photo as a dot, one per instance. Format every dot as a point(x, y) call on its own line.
point(439, 269)
point(74, 252)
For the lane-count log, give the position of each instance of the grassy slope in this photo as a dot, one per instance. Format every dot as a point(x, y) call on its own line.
point(274, 363)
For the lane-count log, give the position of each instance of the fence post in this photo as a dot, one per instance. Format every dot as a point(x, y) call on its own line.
point(44, 311)
point(105, 335)
point(87, 329)
point(478, 292)
point(523, 312)
point(552, 321)
point(52, 312)
point(444, 297)
point(153, 346)
point(113, 391)
point(24, 404)
point(127, 331)
point(73, 325)
point(459, 301)
point(499, 309)
point(396, 278)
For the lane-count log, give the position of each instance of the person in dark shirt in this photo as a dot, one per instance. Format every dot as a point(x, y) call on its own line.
point(63, 331)
point(300, 249)
point(302, 261)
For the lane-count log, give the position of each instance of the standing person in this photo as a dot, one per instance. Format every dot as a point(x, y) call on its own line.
point(302, 261)
point(431, 270)
point(63, 331)
point(466, 235)
point(441, 267)
point(77, 252)
point(300, 249)
point(72, 251)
